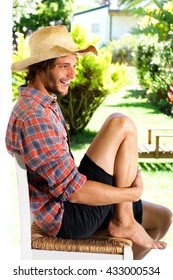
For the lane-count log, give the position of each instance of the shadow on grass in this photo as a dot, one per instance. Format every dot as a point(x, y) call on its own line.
point(150, 107)
point(79, 140)
point(156, 166)
point(136, 93)
point(143, 103)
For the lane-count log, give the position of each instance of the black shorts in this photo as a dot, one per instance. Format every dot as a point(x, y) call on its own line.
point(79, 220)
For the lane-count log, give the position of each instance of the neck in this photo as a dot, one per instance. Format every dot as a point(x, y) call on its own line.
point(39, 86)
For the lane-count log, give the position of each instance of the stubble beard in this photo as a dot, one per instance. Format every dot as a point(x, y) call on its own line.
point(56, 92)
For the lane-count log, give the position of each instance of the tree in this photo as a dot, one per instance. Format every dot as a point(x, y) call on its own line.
point(158, 15)
point(23, 8)
point(31, 15)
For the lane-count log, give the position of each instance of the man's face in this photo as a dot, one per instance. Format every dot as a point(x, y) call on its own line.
point(57, 80)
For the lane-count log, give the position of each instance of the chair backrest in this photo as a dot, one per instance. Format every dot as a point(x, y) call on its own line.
point(24, 207)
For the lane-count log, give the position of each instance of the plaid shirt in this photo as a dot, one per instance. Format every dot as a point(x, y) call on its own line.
point(38, 132)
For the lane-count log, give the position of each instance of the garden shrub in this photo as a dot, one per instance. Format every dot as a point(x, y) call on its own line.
point(154, 62)
point(123, 49)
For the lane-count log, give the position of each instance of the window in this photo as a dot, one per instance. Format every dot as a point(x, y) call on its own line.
point(95, 28)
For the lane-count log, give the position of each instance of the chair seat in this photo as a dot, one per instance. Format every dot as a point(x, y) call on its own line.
point(95, 244)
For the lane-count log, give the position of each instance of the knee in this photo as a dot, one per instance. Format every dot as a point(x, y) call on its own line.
point(169, 216)
point(166, 217)
point(123, 122)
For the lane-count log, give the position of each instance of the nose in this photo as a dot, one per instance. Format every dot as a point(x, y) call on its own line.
point(71, 72)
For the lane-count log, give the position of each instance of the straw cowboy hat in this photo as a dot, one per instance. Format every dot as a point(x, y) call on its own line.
point(50, 42)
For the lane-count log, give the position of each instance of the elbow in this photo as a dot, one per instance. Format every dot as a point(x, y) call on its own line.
point(74, 198)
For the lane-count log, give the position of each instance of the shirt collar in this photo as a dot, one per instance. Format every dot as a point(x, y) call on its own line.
point(39, 96)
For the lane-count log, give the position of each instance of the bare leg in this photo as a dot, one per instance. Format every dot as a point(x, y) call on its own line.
point(115, 150)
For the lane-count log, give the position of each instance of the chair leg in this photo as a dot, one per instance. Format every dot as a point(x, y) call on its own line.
point(128, 253)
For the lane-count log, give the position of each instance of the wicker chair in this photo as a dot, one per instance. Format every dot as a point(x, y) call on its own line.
point(37, 245)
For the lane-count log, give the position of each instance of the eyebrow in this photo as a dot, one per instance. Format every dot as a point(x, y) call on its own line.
point(65, 63)
point(59, 63)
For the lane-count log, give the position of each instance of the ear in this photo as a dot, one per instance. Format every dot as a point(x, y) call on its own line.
point(170, 95)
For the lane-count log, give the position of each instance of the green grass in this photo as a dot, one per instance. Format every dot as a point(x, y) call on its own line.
point(157, 173)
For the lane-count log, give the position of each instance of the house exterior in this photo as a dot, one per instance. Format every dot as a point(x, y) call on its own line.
point(105, 22)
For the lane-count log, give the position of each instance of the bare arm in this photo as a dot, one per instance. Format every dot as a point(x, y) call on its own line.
point(95, 193)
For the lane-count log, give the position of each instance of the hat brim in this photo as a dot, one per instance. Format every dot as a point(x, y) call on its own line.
point(54, 52)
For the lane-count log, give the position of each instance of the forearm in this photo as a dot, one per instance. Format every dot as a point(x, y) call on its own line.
point(95, 193)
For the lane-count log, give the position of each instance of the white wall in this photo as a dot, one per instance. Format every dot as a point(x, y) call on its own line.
point(94, 18)
point(122, 25)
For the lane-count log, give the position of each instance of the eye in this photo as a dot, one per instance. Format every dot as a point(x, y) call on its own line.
point(63, 66)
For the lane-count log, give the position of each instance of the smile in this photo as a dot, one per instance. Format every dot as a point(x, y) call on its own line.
point(65, 83)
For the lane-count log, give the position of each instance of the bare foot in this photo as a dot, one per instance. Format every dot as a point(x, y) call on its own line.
point(136, 233)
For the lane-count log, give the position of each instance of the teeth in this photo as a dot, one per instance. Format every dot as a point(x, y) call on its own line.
point(67, 83)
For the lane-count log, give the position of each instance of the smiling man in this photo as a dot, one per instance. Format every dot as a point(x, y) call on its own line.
point(104, 191)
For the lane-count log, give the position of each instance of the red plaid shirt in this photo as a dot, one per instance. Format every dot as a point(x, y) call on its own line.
point(38, 132)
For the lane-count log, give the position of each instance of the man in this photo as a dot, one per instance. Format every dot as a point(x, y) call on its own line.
point(104, 192)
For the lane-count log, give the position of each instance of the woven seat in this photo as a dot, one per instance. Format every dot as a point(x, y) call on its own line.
point(37, 245)
point(94, 244)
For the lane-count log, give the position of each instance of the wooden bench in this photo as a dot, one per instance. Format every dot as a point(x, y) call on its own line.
point(154, 148)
